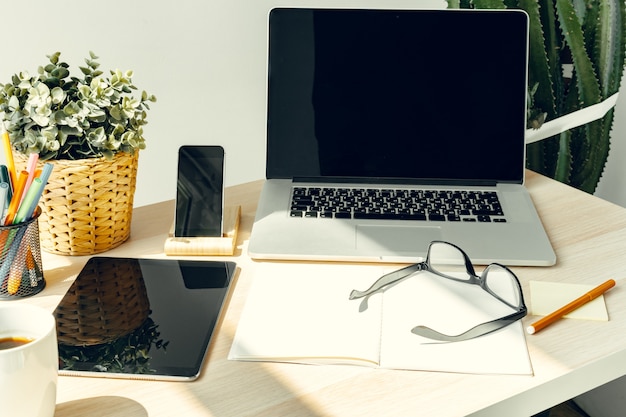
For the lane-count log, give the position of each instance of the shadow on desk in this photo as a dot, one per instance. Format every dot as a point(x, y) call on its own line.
point(239, 388)
point(109, 407)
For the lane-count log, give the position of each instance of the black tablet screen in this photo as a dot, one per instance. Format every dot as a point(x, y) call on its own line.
point(141, 318)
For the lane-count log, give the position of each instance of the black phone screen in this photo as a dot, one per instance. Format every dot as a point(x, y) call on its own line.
point(199, 189)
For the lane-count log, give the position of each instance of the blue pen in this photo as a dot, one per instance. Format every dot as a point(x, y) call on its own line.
point(10, 250)
point(45, 173)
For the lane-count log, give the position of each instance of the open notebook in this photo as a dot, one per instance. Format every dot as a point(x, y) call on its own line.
point(301, 314)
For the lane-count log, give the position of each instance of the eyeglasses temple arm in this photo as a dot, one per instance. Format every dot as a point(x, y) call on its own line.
point(476, 331)
point(387, 279)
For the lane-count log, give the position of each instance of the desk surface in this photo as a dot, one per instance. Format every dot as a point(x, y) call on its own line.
point(569, 358)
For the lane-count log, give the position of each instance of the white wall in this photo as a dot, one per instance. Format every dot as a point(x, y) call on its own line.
point(612, 185)
point(203, 59)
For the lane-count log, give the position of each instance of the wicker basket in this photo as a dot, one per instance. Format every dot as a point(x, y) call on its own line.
point(87, 204)
point(108, 302)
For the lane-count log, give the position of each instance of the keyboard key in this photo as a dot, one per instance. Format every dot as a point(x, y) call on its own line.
point(343, 215)
point(436, 217)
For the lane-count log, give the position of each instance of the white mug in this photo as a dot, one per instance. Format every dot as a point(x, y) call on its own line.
point(28, 372)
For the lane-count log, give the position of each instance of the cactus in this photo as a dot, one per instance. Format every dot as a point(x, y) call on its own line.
point(588, 36)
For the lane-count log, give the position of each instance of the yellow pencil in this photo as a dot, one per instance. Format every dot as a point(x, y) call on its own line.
point(15, 279)
point(8, 154)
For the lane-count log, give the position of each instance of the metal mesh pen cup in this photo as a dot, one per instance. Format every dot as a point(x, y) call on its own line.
point(21, 273)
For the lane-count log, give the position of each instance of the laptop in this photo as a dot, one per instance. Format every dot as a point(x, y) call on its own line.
point(368, 107)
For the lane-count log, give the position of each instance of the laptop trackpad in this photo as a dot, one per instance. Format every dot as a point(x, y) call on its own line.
point(396, 238)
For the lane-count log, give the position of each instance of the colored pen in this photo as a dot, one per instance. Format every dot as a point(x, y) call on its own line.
point(43, 176)
point(31, 266)
point(568, 308)
point(4, 194)
point(31, 168)
point(8, 154)
point(45, 172)
point(15, 277)
point(11, 248)
point(4, 237)
point(29, 201)
point(17, 197)
point(4, 177)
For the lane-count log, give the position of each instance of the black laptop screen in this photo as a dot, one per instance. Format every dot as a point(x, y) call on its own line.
point(411, 95)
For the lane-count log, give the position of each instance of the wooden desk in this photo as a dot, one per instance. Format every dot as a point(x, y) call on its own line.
point(569, 358)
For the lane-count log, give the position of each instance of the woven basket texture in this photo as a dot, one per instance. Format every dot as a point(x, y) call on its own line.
point(108, 302)
point(87, 204)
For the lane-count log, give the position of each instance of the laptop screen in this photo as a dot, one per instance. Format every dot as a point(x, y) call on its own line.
point(416, 96)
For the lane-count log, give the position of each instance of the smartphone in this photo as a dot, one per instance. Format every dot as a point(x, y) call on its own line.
point(199, 191)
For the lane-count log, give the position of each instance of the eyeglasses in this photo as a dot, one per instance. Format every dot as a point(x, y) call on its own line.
point(496, 279)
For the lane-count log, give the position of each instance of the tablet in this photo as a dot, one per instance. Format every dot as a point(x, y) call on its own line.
point(141, 318)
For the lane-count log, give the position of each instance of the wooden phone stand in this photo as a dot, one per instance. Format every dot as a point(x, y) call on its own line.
point(200, 246)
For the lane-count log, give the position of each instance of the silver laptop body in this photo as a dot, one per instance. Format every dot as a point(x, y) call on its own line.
point(376, 104)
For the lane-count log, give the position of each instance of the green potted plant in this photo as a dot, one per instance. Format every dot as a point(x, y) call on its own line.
point(577, 55)
point(91, 128)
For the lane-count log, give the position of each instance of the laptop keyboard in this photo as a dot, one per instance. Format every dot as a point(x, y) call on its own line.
point(396, 204)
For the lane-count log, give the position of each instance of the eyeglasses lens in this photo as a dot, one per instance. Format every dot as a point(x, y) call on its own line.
point(447, 260)
point(502, 283)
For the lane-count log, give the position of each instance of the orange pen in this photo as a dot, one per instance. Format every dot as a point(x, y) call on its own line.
point(568, 308)
point(17, 197)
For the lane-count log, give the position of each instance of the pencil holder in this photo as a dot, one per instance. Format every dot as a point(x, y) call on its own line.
point(21, 274)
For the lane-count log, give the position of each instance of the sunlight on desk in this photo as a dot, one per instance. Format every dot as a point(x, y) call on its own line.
point(567, 359)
